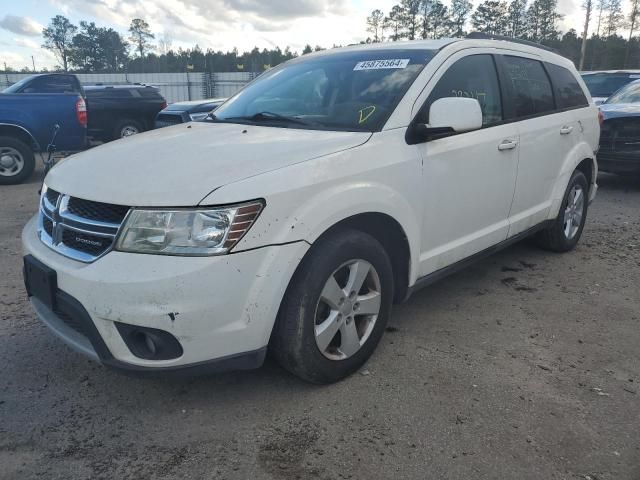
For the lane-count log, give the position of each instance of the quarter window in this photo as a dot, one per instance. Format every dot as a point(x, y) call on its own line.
point(569, 94)
point(472, 77)
point(530, 86)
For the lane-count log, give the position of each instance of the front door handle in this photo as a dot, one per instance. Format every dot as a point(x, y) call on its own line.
point(566, 130)
point(507, 145)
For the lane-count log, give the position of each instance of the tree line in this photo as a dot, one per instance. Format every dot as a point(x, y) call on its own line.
point(89, 48)
point(600, 45)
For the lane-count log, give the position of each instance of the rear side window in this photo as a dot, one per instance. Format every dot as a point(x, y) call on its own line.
point(529, 85)
point(567, 89)
point(51, 84)
point(472, 77)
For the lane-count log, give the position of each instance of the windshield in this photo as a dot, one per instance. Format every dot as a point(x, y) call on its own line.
point(351, 91)
point(628, 94)
point(603, 84)
point(15, 88)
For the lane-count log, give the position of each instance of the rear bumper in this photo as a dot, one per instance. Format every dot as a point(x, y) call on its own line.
point(620, 163)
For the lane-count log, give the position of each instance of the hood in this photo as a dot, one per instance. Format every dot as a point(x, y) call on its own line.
point(188, 105)
point(618, 110)
point(180, 165)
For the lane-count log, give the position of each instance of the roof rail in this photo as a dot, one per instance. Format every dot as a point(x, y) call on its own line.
point(489, 36)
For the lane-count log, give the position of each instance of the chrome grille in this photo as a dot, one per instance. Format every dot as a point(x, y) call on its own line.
point(80, 229)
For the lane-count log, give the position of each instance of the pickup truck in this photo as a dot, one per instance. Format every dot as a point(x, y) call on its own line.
point(27, 121)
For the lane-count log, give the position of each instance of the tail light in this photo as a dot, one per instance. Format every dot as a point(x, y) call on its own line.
point(163, 106)
point(81, 112)
point(600, 117)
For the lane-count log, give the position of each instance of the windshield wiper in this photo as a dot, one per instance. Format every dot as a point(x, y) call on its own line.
point(270, 117)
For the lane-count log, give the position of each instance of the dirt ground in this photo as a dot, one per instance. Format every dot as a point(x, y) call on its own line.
point(523, 366)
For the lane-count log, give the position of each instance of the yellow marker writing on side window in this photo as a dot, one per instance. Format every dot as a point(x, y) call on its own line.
point(366, 112)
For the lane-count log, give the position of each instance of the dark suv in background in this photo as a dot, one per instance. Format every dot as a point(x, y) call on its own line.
point(191, 111)
point(117, 111)
point(602, 84)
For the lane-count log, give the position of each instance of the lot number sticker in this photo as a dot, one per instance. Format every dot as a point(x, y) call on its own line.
point(382, 64)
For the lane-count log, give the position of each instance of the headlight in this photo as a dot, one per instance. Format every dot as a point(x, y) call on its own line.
point(198, 116)
point(197, 232)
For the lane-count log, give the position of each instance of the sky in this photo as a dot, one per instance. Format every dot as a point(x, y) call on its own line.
point(216, 24)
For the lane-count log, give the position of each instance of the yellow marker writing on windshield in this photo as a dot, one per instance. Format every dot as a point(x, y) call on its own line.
point(366, 112)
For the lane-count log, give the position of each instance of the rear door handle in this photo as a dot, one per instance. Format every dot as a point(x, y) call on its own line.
point(507, 145)
point(566, 130)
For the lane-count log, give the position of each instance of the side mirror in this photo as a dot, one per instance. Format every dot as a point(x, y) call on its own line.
point(460, 114)
point(447, 116)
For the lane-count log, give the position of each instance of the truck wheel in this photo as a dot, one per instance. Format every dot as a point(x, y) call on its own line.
point(565, 231)
point(16, 161)
point(126, 128)
point(335, 309)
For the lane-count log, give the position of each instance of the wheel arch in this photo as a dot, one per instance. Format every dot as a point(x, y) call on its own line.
point(580, 158)
point(388, 231)
point(20, 133)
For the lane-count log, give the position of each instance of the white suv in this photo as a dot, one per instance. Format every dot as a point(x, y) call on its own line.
point(292, 219)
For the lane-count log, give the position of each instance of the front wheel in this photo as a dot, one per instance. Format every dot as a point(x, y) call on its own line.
point(565, 231)
point(335, 309)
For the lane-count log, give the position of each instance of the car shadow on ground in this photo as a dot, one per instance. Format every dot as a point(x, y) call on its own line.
point(610, 181)
point(271, 380)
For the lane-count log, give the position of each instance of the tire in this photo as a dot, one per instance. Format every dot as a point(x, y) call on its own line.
point(305, 309)
point(560, 236)
point(17, 161)
point(127, 125)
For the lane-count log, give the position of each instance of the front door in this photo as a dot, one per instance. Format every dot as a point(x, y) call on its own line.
point(468, 178)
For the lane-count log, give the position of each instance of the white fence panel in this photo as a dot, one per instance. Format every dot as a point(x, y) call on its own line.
point(175, 87)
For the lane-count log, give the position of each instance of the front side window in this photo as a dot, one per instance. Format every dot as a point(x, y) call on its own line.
point(529, 85)
point(569, 94)
point(471, 77)
point(351, 91)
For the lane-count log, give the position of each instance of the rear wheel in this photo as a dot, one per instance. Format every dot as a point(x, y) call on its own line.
point(16, 161)
point(127, 128)
point(565, 231)
point(335, 309)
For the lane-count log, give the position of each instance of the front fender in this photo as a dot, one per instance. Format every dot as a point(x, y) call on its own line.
point(306, 199)
point(582, 151)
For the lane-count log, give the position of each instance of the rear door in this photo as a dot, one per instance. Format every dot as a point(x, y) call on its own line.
point(547, 136)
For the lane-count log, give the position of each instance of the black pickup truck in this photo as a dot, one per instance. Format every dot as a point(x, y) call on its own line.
point(117, 111)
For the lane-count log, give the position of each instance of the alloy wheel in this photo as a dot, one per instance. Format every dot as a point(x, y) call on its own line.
point(347, 310)
point(573, 212)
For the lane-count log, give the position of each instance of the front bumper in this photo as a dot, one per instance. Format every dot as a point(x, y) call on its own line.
point(219, 308)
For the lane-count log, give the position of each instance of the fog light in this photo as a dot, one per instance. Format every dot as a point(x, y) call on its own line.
point(149, 343)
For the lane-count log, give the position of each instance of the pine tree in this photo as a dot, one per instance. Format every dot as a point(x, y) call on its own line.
point(375, 23)
point(411, 10)
point(517, 13)
point(491, 17)
point(542, 18)
point(460, 11)
point(396, 21)
point(587, 6)
point(440, 20)
point(633, 17)
point(614, 19)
